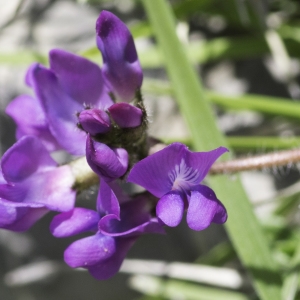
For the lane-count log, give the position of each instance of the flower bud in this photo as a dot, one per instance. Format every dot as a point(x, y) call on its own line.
point(94, 121)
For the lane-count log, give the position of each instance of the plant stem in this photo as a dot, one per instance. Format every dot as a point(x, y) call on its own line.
point(274, 159)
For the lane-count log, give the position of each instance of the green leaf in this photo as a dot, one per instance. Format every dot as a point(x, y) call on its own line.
point(244, 230)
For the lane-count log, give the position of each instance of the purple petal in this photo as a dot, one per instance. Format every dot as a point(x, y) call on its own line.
point(74, 222)
point(94, 121)
point(2, 179)
point(121, 68)
point(11, 203)
point(109, 163)
point(170, 208)
point(204, 208)
point(26, 156)
point(90, 251)
point(107, 202)
point(35, 123)
point(53, 189)
point(154, 172)
point(19, 218)
point(29, 217)
point(110, 225)
point(109, 267)
point(28, 76)
point(61, 111)
point(202, 161)
point(80, 78)
point(8, 214)
point(221, 214)
point(126, 115)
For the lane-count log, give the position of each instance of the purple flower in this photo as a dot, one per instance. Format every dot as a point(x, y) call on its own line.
point(116, 229)
point(121, 68)
point(31, 184)
point(174, 175)
point(94, 121)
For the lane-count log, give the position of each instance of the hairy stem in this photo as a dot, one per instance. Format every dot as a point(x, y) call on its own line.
point(269, 160)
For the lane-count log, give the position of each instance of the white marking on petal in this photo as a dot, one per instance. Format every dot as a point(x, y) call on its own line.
point(183, 177)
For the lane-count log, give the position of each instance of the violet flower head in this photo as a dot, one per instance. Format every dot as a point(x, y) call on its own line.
point(31, 184)
point(72, 83)
point(116, 228)
point(174, 175)
point(121, 68)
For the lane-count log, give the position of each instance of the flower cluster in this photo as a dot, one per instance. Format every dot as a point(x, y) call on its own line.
point(99, 113)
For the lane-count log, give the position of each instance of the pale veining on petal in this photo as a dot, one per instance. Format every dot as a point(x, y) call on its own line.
point(183, 177)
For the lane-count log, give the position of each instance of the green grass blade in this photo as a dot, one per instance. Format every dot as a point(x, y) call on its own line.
point(244, 230)
point(256, 144)
point(262, 143)
point(264, 104)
